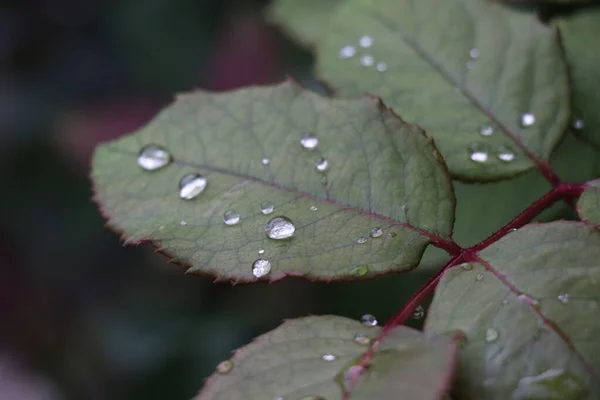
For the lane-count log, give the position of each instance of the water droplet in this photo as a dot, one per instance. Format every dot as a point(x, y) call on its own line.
point(367, 60)
point(376, 232)
point(478, 153)
point(474, 53)
point(267, 207)
point(265, 161)
point(160, 228)
point(527, 120)
point(224, 367)
point(551, 384)
point(361, 270)
point(361, 240)
point(491, 335)
point(191, 185)
point(261, 251)
point(578, 124)
point(479, 277)
point(313, 208)
point(419, 312)
point(182, 223)
point(368, 320)
point(362, 339)
point(280, 228)
point(563, 298)
point(365, 41)
point(504, 301)
point(309, 142)
point(347, 51)
point(328, 357)
point(466, 266)
point(153, 157)
point(231, 217)
point(486, 130)
point(505, 154)
point(322, 165)
point(381, 67)
point(261, 267)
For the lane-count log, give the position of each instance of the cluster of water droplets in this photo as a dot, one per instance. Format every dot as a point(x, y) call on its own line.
point(481, 152)
point(366, 59)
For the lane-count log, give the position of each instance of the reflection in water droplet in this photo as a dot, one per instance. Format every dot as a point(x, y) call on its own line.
point(478, 153)
point(309, 142)
point(224, 367)
point(347, 52)
point(368, 320)
point(322, 165)
point(419, 312)
point(578, 124)
point(261, 267)
point(466, 266)
point(563, 298)
point(527, 120)
point(191, 185)
point(367, 60)
point(280, 228)
point(182, 223)
point(267, 207)
point(504, 153)
point(376, 232)
point(551, 384)
point(362, 339)
point(261, 251)
point(381, 67)
point(479, 277)
point(265, 161)
point(365, 41)
point(153, 157)
point(361, 270)
point(313, 208)
point(361, 240)
point(231, 217)
point(486, 130)
point(328, 357)
point(491, 335)
point(474, 53)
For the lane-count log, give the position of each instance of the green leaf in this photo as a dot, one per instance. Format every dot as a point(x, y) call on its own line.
point(305, 20)
point(580, 33)
point(455, 67)
point(588, 205)
point(530, 314)
point(315, 356)
point(382, 173)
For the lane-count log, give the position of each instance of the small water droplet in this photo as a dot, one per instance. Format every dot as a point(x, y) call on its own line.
point(362, 339)
point(309, 142)
point(578, 124)
point(551, 384)
point(466, 266)
point(224, 367)
point(376, 232)
point(313, 208)
point(361, 270)
point(231, 217)
point(265, 161)
point(182, 223)
point(419, 312)
point(491, 335)
point(365, 41)
point(361, 240)
point(368, 320)
point(474, 53)
point(153, 157)
point(191, 185)
point(505, 154)
point(328, 357)
point(527, 120)
point(504, 301)
point(486, 130)
point(322, 165)
point(478, 153)
point(347, 51)
point(280, 228)
point(261, 251)
point(479, 277)
point(381, 67)
point(563, 298)
point(160, 228)
point(367, 60)
point(261, 267)
point(267, 207)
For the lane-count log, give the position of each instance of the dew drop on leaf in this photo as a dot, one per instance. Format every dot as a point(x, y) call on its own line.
point(578, 124)
point(361, 240)
point(362, 339)
point(368, 320)
point(505, 154)
point(191, 185)
point(419, 312)
point(367, 60)
point(261, 267)
point(550, 384)
point(486, 130)
point(182, 223)
point(347, 51)
point(231, 217)
point(365, 41)
point(376, 232)
point(280, 228)
point(491, 335)
point(309, 142)
point(224, 367)
point(328, 357)
point(322, 165)
point(381, 67)
point(361, 270)
point(478, 153)
point(563, 298)
point(527, 120)
point(266, 207)
point(261, 251)
point(313, 208)
point(474, 53)
point(153, 157)
point(265, 161)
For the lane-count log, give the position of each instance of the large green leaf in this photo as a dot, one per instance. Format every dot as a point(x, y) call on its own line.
point(531, 315)
point(580, 33)
point(460, 69)
point(588, 205)
point(316, 358)
point(305, 20)
point(381, 173)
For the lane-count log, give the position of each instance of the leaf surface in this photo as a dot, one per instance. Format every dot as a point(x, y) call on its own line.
point(531, 313)
point(382, 172)
point(588, 205)
point(314, 356)
point(457, 68)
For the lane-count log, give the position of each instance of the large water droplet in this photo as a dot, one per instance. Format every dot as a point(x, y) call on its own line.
point(486, 130)
point(261, 267)
point(367, 60)
point(322, 165)
point(191, 185)
point(361, 270)
point(153, 157)
point(368, 320)
point(478, 153)
point(328, 357)
point(280, 228)
point(491, 335)
point(578, 124)
point(381, 67)
point(365, 41)
point(267, 207)
point(361, 240)
point(347, 51)
point(224, 367)
point(309, 142)
point(563, 298)
point(231, 217)
point(551, 384)
point(505, 154)
point(362, 339)
point(527, 120)
point(419, 312)
point(376, 232)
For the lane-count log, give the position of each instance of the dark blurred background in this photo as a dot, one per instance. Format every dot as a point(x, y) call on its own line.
point(82, 317)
